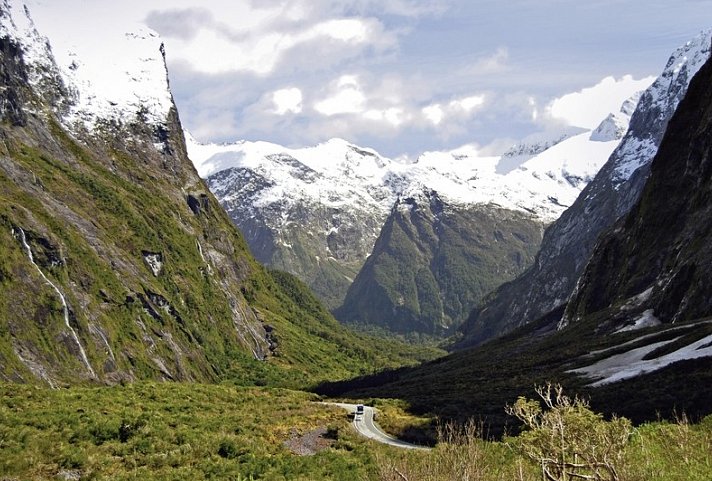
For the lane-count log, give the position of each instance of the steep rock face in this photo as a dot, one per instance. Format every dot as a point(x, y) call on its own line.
point(568, 242)
point(117, 263)
point(315, 222)
point(81, 205)
point(434, 260)
point(13, 75)
point(657, 259)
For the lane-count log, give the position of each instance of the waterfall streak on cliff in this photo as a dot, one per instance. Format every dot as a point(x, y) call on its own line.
point(65, 309)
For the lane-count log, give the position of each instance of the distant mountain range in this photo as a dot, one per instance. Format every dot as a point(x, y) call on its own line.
point(320, 212)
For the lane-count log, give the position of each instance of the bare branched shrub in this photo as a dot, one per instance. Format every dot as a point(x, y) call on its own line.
point(568, 440)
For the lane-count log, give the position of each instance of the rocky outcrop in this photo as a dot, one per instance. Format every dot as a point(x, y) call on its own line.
point(568, 242)
point(12, 73)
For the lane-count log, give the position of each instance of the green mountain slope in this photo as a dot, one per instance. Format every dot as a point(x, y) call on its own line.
point(136, 271)
point(434, 261)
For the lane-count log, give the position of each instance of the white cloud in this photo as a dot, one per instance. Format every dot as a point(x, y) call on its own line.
point(587, 107)
point(401, 8)
point(233, 65)
point(455, 110)
point(434, 113)
point(348, 98)
point(287, 100)
point(208, 124)
point(487, 66)
point(394, 116)
point(468, 104)
point(406, 8)
point(215, 47)
point(344, 29)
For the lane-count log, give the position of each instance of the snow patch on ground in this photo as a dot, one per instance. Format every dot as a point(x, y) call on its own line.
point(637, 300)
point(647, 319)
point(631, 363)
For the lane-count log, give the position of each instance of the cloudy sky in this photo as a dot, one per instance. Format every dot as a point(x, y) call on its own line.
point(401, 76)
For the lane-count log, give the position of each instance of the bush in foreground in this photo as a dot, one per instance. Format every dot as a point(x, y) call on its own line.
point(567, 440)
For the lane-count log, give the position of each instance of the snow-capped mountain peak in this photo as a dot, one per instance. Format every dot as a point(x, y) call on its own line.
point(128, 85)
point(660, 100)
point(612, 127)
point(338, 172)
point(615, 125)
point(537, 143)
point(125, 85)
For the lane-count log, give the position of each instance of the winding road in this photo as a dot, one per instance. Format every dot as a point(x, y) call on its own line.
point(365, 426)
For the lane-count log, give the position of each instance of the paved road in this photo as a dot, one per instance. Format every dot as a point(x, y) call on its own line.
point(364, 424)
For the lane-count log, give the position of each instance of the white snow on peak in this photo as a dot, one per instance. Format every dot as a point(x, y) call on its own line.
point(334, 157)
point(455, 175)
point(334, 174)
point(130, 83)
point(616, 124)
point(613, 127)
point(119, 78)
point(16, 23)
point(679, 70)
point(545, 172)
point(337, 172)
point(552, 180)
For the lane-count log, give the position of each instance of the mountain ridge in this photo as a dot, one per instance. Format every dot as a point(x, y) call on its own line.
point(636, 339)
point(656, 257)
point(433, 260)
point(317, 212)
point(569, 241)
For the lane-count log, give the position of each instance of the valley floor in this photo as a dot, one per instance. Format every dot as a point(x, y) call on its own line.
point(172, 431)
